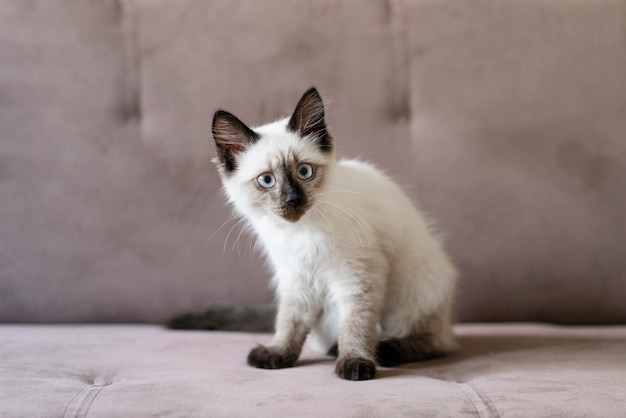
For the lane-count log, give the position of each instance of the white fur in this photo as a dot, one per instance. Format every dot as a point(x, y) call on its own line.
point(362, 234)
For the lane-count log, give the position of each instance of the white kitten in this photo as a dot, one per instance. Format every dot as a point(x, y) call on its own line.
point(356, 268)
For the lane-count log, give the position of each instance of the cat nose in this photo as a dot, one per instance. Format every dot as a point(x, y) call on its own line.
point(293, 199)
point(292, 196)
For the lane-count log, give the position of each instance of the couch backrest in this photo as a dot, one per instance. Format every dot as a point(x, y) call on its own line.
point(505, 120)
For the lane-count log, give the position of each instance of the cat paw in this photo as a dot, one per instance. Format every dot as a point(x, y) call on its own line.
point(355, 368)
point(389, 353)
point(263, 357)
point(396, 351)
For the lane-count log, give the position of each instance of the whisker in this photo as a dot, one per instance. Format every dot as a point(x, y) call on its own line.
point(230, 218)
point(341, 191)
point(252, 240)
point(229, 232)
point(318, 215)
point(351, 219)
point(243, 228)
point(363, 225)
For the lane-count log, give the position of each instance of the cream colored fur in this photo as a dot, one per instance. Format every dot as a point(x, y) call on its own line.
point(354, 260)
point(360, 262)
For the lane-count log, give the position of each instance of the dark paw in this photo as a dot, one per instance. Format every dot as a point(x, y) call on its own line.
point(333, 351)
point(267, 358)
point(355, 368)
point(396, 351)
point(389, 353)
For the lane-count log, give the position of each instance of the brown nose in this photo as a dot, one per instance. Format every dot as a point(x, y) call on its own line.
point(293, 198)
point(292, 195)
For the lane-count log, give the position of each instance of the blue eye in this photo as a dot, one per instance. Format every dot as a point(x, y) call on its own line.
point(305, 171)
point(266, 180)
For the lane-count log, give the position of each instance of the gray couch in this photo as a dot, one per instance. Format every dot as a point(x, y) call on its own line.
point(505, 120)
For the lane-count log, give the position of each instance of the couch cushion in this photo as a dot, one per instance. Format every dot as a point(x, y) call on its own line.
point(519, 148)
point(111, 208)
point(500, 370)
point(95, 223)
point(73, 179)
point(505, 120)
point(249, 59)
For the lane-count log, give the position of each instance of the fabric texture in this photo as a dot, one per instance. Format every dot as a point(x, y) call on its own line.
point(505, 120)
point(136, 371)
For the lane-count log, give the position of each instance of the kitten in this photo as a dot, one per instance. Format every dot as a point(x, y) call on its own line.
point(357, 271)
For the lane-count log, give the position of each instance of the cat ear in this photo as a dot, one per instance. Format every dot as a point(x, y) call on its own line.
point(231, 137)
point(308, 120)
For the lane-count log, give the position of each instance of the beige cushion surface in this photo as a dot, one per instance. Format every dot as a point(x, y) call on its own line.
point(501, 370)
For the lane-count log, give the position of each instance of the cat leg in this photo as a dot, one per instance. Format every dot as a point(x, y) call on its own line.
point(357, 336)
point(392, 352)
point(324, 335)
point(428, 339)
point(293, 322)
point(333, 351)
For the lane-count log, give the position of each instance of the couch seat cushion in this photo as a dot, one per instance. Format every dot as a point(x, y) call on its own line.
point(144, 370)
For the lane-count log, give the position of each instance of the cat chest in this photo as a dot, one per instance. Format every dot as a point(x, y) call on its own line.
point(303, 254)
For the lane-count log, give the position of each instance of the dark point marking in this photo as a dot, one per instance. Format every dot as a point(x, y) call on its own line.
point(294, 202)
point(292, 194)
point(307, 120)
point(263, 357)
point(333, 351)
point(355, 368)
point(231, 137)
point(396, 351)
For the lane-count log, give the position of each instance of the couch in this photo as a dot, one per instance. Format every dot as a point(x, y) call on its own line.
point(504, 120)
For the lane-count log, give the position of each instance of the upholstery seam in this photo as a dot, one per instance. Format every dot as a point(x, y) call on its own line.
point(473, 395)
point(93, 398)
point(73, 399)
point(484, 397)
point(468, 397)
point(401, 112)
point(132, 43)
point(402, 62)
point(82, 408)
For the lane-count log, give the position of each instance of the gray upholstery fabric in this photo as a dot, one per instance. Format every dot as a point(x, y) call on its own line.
point(520, 151)
point(139, 371)
point(505, 120)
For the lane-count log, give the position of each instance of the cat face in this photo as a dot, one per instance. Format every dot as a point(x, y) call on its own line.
point(278, 168)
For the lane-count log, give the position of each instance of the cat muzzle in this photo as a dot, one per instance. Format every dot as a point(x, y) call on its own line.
point(294, 202)
point(293, 213)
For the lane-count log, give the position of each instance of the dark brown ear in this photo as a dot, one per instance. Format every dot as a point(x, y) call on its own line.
point(231, 137)
point(308, 120)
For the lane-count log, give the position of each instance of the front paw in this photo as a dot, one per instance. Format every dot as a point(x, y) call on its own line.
point(263, 357)
point(355, 368)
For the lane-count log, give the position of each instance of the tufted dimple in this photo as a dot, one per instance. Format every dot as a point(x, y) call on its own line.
point(130, 111)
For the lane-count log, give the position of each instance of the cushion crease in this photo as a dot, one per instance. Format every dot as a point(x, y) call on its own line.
point(80, 404)
point(483, 405)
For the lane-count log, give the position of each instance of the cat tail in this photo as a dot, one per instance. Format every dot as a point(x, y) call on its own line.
point(246, 318)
